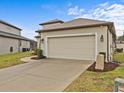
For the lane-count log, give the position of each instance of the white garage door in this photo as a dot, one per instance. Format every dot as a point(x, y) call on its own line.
point(75, 47)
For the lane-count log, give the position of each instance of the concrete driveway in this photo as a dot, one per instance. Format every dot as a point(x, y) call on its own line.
point(43, 75)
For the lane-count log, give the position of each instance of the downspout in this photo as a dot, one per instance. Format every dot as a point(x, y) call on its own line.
point(39, 46)
point(107, 44)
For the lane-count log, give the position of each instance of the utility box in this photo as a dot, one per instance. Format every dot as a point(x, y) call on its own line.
point(119, 85)
point(100, 62)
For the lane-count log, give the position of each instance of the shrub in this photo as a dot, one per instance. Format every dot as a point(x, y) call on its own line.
point(35, 51)
point(39, 53)
point(119, 50)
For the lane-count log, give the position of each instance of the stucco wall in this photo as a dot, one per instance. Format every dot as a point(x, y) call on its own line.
point(38, 43)
point(111, 45)
point(25, 44)
point(102, 30)
point(6, 43)
point(9, 29)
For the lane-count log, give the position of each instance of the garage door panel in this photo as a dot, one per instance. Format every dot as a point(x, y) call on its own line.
point(78, 47)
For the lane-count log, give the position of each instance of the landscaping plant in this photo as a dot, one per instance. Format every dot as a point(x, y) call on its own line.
point(39, 53)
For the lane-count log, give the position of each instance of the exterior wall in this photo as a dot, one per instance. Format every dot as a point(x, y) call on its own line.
point(102, 30)
point(120, 46)
point(25, 44)
point(39, 43)
point(6, 43)
point(33, 45)
point(9, 29)
point(111, 45)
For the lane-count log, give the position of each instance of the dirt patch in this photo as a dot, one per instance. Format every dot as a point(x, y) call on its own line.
point(108, 67)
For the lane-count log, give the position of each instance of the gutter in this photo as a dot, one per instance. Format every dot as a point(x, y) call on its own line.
point(74, 27)
point(107, 44)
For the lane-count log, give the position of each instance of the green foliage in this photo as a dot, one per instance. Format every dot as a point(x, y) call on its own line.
point(119, 50)
point(39, 53)
point(121, 38)
point(118, 57)
point(35, 51)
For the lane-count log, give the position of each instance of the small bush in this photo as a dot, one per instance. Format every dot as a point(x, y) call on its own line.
point(35, 51)
point(39, 53)
point(119, 50)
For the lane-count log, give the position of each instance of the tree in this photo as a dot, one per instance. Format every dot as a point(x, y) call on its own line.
point(121, 38)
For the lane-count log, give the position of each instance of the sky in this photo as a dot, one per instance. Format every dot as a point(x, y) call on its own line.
point(28, 14)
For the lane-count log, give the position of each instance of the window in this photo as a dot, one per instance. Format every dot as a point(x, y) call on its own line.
point(11, 49)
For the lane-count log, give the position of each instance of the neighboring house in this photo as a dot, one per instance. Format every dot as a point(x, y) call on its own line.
point(33, 44)
point(120, 45)
point(11, 39)
point(38, 38)
point(81, 39)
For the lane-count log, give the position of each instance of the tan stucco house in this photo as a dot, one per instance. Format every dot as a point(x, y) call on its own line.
point(81, 39)
point(11, 39)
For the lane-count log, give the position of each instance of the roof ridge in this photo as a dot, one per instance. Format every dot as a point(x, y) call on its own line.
point(86, 19)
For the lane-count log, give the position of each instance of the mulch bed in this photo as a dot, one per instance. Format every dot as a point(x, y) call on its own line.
point(36, 58)
point(108, 67)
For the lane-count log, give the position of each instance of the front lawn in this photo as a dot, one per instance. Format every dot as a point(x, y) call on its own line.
point(119, 57)
point(8, 60)
point(98, 81)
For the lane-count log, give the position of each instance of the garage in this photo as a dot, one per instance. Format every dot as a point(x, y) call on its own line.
point(80, 47)
point(80, 39)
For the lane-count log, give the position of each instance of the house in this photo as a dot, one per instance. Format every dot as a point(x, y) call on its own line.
point(81, 39)
point(120, 45)
point(38, 38)
point(11, 39)
point(33, 44)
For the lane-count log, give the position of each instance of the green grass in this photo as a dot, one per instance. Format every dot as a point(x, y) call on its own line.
point(98, 81)
point(8, 60)
point(119, 57)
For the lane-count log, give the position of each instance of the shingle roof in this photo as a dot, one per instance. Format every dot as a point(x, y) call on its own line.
point(9, 35)
point(52, 21)
point(6, 23)
point(80, 22)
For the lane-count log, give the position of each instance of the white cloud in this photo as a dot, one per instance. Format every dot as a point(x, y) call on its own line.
point(105, 11)
point(75, 11)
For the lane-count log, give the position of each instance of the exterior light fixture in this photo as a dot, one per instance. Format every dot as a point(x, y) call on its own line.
point(42, 40)
point(101, 38)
